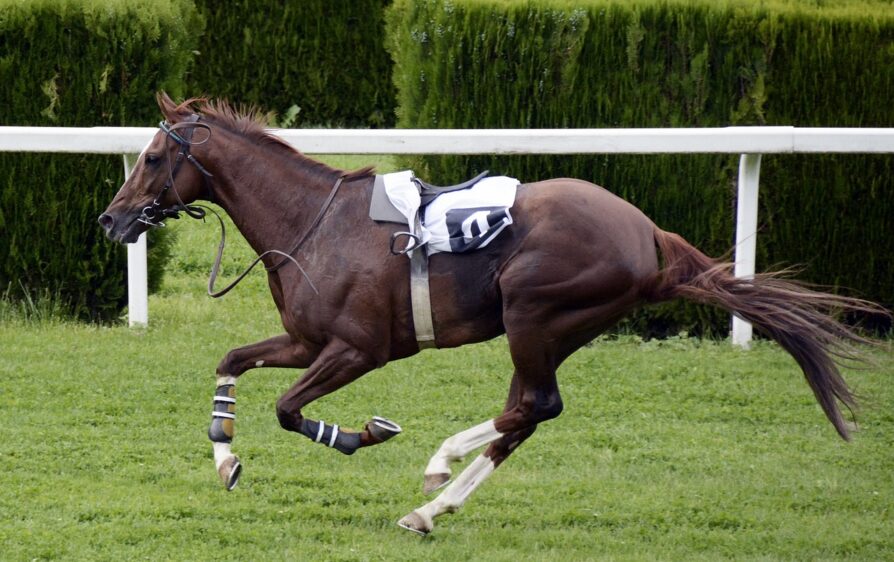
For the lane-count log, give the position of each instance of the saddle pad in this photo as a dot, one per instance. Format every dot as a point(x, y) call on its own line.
point(466, 220)
point(403, 193)
point(381, 208)
point(455, 221)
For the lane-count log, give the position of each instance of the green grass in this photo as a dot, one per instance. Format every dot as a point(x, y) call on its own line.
point(668, 450)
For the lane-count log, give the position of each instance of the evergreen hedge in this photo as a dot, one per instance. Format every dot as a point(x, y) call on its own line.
point(326, 58)
point(665, 63)
point(79, 63)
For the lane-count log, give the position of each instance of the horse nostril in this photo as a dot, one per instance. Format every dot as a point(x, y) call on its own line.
point(106, 221)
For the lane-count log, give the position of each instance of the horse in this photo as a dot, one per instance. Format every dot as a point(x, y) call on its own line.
point(576, 260)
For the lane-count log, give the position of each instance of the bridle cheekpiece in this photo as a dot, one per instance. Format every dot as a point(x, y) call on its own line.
point(156, 213)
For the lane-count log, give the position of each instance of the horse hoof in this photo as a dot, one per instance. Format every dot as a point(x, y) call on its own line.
point(382, 429)
point(434, 482)
point(229, 472)
point(415, 523)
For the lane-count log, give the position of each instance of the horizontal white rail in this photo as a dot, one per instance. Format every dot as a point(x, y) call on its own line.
point(750, 142)
point(724, 140)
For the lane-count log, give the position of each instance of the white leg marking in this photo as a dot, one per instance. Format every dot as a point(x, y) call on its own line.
point(222, 452)
point(259, 363)
point(456, 494)
point(225, 379)
point(461, 444)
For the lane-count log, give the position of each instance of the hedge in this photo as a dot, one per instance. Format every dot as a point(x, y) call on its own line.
point(699, 63)
point(325, 58)
point(79, 63)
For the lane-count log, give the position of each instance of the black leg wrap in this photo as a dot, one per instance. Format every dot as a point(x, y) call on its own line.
point(223, 416)
point(344, 441)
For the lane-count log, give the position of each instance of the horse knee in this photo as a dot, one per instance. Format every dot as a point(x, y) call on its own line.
point(288, 419)
point(237, 361)
point(228, 366)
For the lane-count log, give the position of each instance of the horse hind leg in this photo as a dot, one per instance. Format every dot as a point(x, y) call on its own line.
point(455, 448)
point(421, 520)
point(533, 398)
point(539, 341)
point(437, 472)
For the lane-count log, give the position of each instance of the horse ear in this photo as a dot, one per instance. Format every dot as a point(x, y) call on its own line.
point(167, 106)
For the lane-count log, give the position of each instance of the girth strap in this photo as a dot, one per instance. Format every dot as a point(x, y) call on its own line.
point(420, 299)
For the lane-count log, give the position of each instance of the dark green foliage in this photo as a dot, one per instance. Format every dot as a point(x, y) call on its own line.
point(326, 58)
point(650, 63)
point(72, 63)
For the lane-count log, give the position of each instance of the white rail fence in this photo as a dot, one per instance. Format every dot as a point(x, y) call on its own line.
point(749, 142)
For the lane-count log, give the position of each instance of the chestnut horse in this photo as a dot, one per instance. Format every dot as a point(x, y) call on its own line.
point(576, 260)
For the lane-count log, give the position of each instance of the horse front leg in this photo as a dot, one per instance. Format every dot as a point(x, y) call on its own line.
point(280, 351)
point(337, 365)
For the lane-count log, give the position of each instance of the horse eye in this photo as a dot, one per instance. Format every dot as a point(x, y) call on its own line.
point(152, 159)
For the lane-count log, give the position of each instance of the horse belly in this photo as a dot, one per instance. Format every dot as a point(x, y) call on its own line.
point(466, 303)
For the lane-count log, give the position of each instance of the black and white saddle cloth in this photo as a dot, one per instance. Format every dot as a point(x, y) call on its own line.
point(454, 221)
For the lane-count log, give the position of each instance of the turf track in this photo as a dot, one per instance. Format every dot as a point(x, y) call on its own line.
point(674, 450)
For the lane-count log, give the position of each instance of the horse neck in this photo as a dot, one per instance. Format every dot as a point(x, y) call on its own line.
point(271, 196)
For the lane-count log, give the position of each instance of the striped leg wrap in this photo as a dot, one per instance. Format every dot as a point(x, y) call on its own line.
point(223, 416)
point(331, 435)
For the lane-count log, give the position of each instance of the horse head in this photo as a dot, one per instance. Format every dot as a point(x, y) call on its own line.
point(166, 178)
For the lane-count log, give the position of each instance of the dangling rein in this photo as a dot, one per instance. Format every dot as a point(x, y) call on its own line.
point(153, 215)
point(287, 256)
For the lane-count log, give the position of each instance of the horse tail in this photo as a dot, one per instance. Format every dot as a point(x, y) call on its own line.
point(797, 317)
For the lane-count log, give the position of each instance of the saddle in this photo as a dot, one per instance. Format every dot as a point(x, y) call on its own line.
point(381, 208)
point(428, 192)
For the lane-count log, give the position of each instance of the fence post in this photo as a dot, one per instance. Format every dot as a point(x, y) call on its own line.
point(137, 276)
point(746, 234)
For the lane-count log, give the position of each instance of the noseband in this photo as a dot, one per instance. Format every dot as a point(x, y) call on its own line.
point(154, 214)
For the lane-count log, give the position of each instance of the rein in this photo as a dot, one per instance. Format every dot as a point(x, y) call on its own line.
point(287, 256)
point(154, 214)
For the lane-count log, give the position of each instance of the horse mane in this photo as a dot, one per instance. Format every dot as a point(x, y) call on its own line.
point(250, 122)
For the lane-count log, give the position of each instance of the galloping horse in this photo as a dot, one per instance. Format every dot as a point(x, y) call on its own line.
point(575, 262)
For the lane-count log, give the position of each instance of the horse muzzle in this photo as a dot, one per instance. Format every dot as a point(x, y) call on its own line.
point(122, 228)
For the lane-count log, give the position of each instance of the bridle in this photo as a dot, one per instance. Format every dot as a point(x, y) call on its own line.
point(154, 214)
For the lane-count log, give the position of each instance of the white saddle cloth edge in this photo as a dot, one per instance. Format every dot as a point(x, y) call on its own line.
point(404, 195)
